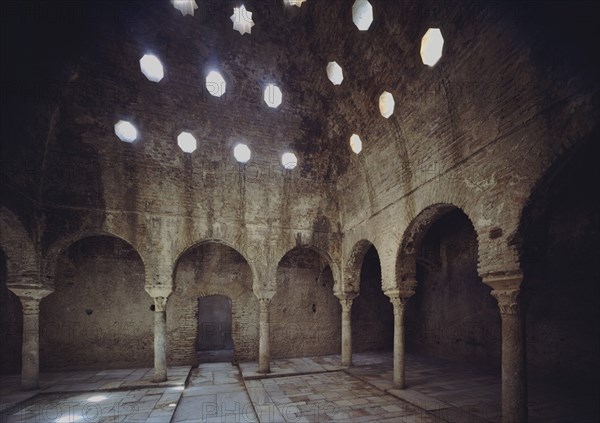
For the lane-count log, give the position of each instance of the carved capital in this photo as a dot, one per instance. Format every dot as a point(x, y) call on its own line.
point(508, 300)
point(31, 306)
point(264, 303)
point(346, 302)
point(160, 304)
point(399, 304)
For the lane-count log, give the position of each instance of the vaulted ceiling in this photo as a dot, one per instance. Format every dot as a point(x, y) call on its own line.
point(70, 71)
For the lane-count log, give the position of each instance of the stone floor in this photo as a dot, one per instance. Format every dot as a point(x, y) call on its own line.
point(312, 389)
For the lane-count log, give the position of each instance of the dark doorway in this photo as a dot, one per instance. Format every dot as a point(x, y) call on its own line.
point(214, 343)
point(372, 312)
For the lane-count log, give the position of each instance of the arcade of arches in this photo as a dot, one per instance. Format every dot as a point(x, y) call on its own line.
point(445, 271)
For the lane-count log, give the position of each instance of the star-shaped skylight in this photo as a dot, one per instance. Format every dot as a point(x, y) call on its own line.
point(242, 20)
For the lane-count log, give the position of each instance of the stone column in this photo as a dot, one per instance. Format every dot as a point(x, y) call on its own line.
point(514, 367)
point(30, 365)
point(399, 300)
point(30, 357)
point(160, 339)
point(264, 347)
point(346, 302)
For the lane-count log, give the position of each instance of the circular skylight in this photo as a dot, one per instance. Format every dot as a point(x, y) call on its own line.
point(152, 68)
point(335, 73)
point(242, 153)
point(126, 131)
point(215, 84)
point(362, 14)
point(289, 161)
point(386, 104)
point(355, 143)
point(273, 96)
point(187, 142)
point(431, 46)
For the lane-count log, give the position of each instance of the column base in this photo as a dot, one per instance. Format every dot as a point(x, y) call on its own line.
point(159, 377)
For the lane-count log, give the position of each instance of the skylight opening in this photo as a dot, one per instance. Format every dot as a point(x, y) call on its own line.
point(215, 84)
point(386, 104)
point(152, 68)
point(186, 7)
point(431, 46)
point(273, 96)
point(242, 153)
point(356, 143)
point(294, 2)
point(362, 14)
point(187, 142)
point(289, 161)
point(242, 20)
point(126, 131)
point(335, 73)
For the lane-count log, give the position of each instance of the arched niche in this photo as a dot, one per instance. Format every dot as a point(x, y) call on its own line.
point(305, 315)
point(209, 269)
point(452, 314)
point(99, 315)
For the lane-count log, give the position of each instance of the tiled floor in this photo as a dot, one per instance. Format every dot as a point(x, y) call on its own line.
point(313, 389)
point(123, 395)
point(215, 393)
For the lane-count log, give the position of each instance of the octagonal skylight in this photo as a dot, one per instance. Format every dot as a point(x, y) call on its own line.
point(356, 143)
point(335, 73)
point(242, 20)
point(386, 104)
point(289, 161)
point(242, 153)
point(431, 46)
point(294, 2)
point(362, 14)
point(215, 84)
point(186, 7)
point(126, 131)
point(152, 68)
point(187, 142)
point(273, 96)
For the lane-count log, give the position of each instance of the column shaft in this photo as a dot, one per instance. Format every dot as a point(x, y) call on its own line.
point(514, 368)
point(399, 358)
point(160, 339)
point(264, 353)
point(346, 302)
point(30, 367)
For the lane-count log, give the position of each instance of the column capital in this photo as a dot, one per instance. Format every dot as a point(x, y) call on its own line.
point(346, 301)
point(399, 294)
point(508, 300)
point(264, 303)
point(160, 303)
point(31, 306)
